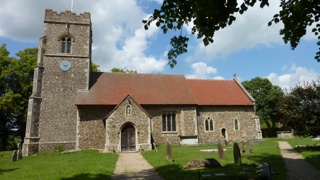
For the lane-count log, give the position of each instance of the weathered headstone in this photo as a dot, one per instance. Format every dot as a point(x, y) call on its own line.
point(267, 171)
point(169, 153)
point(248, 149)
point(236, 154)
point(220, 151)
point(14, 156)
point(155, 147)
point(19, 151)
point(242, 146)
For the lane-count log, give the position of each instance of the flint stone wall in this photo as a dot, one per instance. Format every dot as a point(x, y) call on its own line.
point(224, 117)
point(91, 126)
point(119, 118)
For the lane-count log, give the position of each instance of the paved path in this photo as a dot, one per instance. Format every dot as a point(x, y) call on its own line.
point(134, 166)
point(297, 167)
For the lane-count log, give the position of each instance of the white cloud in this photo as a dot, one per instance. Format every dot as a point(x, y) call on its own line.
point(250, 30)
point(119, 39)
point(293, 76)
point(202, 71)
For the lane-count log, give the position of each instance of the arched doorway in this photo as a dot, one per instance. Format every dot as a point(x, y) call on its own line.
point(128, 138)
point(223, 133)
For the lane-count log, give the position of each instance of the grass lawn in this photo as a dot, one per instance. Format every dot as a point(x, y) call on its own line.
point(264, 152)
point(312, 155)
point(88, 164)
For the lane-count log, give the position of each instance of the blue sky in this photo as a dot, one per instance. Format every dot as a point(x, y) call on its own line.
point(248, 48)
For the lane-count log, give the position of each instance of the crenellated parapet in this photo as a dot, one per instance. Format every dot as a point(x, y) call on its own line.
point(67, 16)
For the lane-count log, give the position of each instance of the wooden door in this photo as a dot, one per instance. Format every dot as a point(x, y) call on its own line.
point(128, 138)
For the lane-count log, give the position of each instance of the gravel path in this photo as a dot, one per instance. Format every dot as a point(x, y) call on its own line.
point(134, 166)
point(297, 167)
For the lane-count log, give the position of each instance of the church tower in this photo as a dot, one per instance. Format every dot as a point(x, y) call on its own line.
point(63, 68)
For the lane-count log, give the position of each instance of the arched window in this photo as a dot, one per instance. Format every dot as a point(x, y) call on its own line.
point(209, 124)
point(65, 44)
point(236, 125)
point(128, 110)
point(169, 122)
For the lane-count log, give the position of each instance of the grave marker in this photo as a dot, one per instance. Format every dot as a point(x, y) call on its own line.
point(169, 153)
point(221, 151)
point(14, 156)
point(236, 154)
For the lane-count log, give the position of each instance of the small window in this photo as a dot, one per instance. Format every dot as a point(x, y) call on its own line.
point(128, 110)
point(66, 44)
point(236, 125)
point(169, 122)
point(209, 124)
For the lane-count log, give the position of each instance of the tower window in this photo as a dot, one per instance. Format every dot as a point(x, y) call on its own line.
point(66, 44)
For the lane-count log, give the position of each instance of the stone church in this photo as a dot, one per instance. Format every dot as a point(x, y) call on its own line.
point(72, 107)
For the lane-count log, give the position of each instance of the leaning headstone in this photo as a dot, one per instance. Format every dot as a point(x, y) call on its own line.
point(169, 153)
point(155, 147)
point(241, 146)
point(19, 151)
point(220, 151)
point(267, 171)
point(14, 156)
point(236, 154)
point(248, 149)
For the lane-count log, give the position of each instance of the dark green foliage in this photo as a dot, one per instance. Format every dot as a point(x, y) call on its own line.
point(207, 17)
point(300, 110)
point(267, 96)
point(297, 15)
point(117, 70)
point(16, 78)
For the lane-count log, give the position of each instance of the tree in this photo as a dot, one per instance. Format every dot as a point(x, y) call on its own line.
point(266, 96)
point(207, 17)
point(299, 108)
point(16, 77)
point(117, 70)
point(95, 67)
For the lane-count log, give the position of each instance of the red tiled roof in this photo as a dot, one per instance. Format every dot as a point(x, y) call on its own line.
point(111, 88)
point(156, 89)
point(219, 92)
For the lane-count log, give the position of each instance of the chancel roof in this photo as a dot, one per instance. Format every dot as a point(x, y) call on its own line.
point(161, 89)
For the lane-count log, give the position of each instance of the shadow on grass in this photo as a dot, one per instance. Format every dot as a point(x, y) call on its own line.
point(6, 170)
point(85, 176)
point(144, 174)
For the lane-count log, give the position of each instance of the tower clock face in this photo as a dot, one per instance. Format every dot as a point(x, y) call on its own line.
point(65, 65)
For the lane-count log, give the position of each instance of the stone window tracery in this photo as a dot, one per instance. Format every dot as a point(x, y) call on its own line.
point(168, 122)
point(65, 44)
point(128, 110)
point(236, 125)
point(209, 124)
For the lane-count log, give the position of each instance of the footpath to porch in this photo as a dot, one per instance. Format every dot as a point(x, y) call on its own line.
point(132, 166)
point(297, 167)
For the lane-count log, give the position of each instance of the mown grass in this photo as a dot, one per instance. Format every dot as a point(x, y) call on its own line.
point(310, 153)
point(263, 152)
point(88, 164)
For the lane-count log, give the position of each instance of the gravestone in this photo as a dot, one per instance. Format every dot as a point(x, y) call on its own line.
point(14, 156)
point(221, 151)
point(19, 151)
point(169, 153)
point(242, 146)
point(267, 171)
point(248, 149)
point(155, 147)
point(236, 154)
